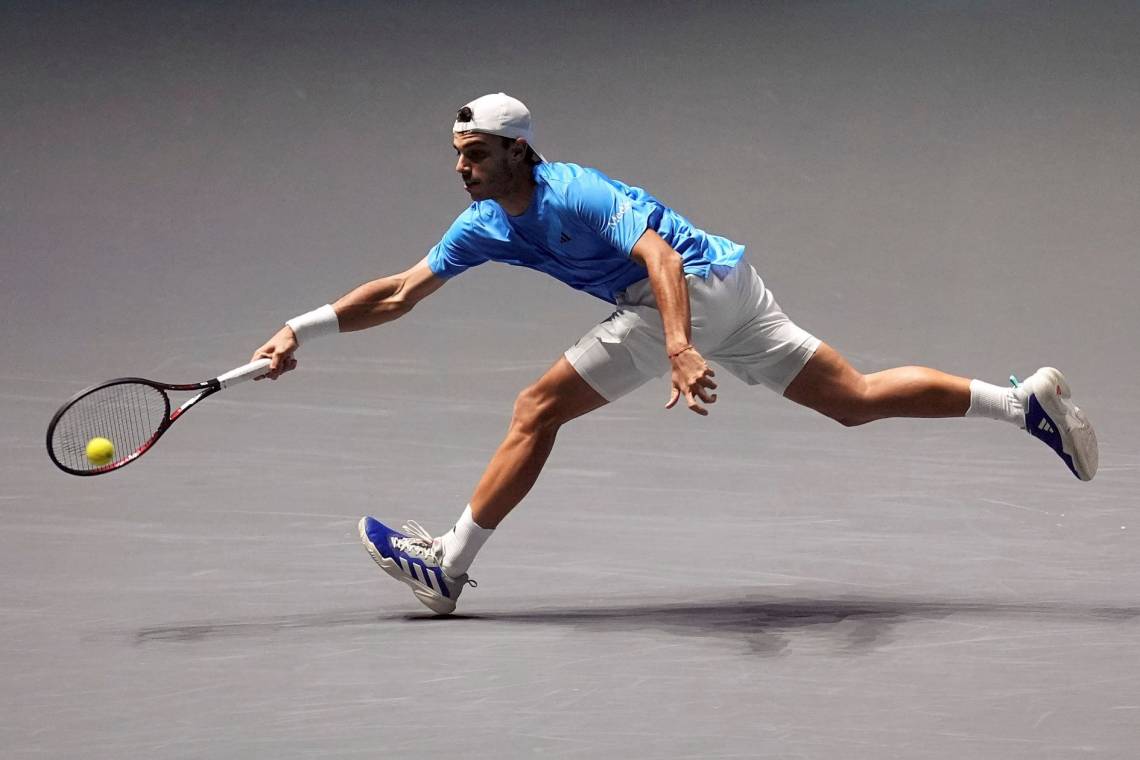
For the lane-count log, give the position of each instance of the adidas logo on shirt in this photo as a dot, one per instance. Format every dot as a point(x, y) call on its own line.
point(1045, 426)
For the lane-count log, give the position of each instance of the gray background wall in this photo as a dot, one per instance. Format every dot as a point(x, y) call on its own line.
point(953, 184)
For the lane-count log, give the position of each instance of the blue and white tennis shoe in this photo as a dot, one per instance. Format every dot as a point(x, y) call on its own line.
point(415, 558)
point(1054, 419)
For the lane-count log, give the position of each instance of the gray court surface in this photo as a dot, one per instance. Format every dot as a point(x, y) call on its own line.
point(948, 184)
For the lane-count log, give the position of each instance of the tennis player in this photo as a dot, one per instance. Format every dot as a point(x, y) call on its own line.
point(683, 297)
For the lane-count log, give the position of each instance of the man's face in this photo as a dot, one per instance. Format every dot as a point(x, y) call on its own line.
point(485, 165)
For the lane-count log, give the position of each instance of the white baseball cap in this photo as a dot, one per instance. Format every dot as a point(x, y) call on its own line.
point(497, 114)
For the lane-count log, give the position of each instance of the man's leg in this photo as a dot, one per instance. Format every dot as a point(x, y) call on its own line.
point(831, 386)
point(436, 568)
point(597, 369)
point(1041, 405)
point(559, 396)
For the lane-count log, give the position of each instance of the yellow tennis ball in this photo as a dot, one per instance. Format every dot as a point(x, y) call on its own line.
point(100, 451)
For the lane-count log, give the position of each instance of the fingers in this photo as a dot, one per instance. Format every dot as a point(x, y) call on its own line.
point(262, 353)
point(280, 361)
point(694, 406)
point(275, 360)
point(700, 388)
point(285, 363)
point(691, 399)
point(704, 395)
point(695, 382)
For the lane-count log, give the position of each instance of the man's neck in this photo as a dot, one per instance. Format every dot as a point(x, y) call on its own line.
point(517, 201)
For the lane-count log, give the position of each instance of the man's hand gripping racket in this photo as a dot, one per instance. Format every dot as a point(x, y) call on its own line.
point(279, 351)
point(112, 424)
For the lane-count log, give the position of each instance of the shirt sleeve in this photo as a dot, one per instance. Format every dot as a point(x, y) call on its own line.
point(617, 218)
point(456, 252)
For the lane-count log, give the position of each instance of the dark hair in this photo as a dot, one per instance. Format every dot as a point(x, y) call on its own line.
point(531, 157)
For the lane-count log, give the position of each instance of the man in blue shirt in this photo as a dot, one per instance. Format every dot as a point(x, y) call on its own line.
point(681, 294)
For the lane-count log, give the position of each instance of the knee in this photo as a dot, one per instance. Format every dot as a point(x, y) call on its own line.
point(829, 385)
point(535, 411)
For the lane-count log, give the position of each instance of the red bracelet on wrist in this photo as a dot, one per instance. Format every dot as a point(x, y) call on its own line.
point(675, 354)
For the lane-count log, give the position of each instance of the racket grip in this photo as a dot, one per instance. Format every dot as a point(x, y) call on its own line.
point(243, 373)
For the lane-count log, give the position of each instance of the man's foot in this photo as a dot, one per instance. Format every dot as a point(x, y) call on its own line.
point(1052, 417)
point(414, 558)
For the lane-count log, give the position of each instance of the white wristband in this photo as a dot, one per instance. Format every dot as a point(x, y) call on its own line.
point(315, 323)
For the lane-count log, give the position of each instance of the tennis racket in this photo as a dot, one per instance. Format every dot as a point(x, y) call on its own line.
point(130, 412)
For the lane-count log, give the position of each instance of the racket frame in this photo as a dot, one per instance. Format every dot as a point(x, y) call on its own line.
point(206, 389)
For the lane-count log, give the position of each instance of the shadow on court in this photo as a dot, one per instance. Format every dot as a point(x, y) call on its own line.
point(765, 627)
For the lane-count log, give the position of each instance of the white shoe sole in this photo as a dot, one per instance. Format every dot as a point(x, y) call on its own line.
point(440, 605)
point(1078, 438)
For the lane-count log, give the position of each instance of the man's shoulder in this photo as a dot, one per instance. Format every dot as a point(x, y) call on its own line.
point(475, 225)
point(573, 183)
point(562, 174)
point(478, 215)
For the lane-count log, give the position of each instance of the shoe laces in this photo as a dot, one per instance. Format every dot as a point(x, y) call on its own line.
point(419, 543)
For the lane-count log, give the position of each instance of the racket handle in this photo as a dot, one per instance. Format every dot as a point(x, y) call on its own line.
point(243, 373)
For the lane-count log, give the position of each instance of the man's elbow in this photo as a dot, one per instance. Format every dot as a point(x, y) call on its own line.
point(664, 259)
point(652, 252)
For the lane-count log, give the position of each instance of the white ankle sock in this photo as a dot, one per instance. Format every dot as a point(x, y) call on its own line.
point(996, 403)
point(462, 543)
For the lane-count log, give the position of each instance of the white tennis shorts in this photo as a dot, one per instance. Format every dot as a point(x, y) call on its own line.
point(736, 323)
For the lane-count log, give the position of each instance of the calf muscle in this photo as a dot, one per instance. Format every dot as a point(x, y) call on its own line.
point(831, 386)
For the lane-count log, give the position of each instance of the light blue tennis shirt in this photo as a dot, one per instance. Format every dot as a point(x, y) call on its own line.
point(579, 228)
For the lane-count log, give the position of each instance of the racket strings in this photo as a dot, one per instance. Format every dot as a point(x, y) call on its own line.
point(127, 414)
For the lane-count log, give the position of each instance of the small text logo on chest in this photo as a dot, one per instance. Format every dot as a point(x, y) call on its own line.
point(617, 215)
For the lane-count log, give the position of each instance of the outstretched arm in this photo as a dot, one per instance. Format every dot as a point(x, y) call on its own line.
point(691, 375)
point(367, 305)
point(385, 299)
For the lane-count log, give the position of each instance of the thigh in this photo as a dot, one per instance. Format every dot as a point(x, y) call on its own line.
point(764, 347)
point(563, 394)
point(827, 383)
